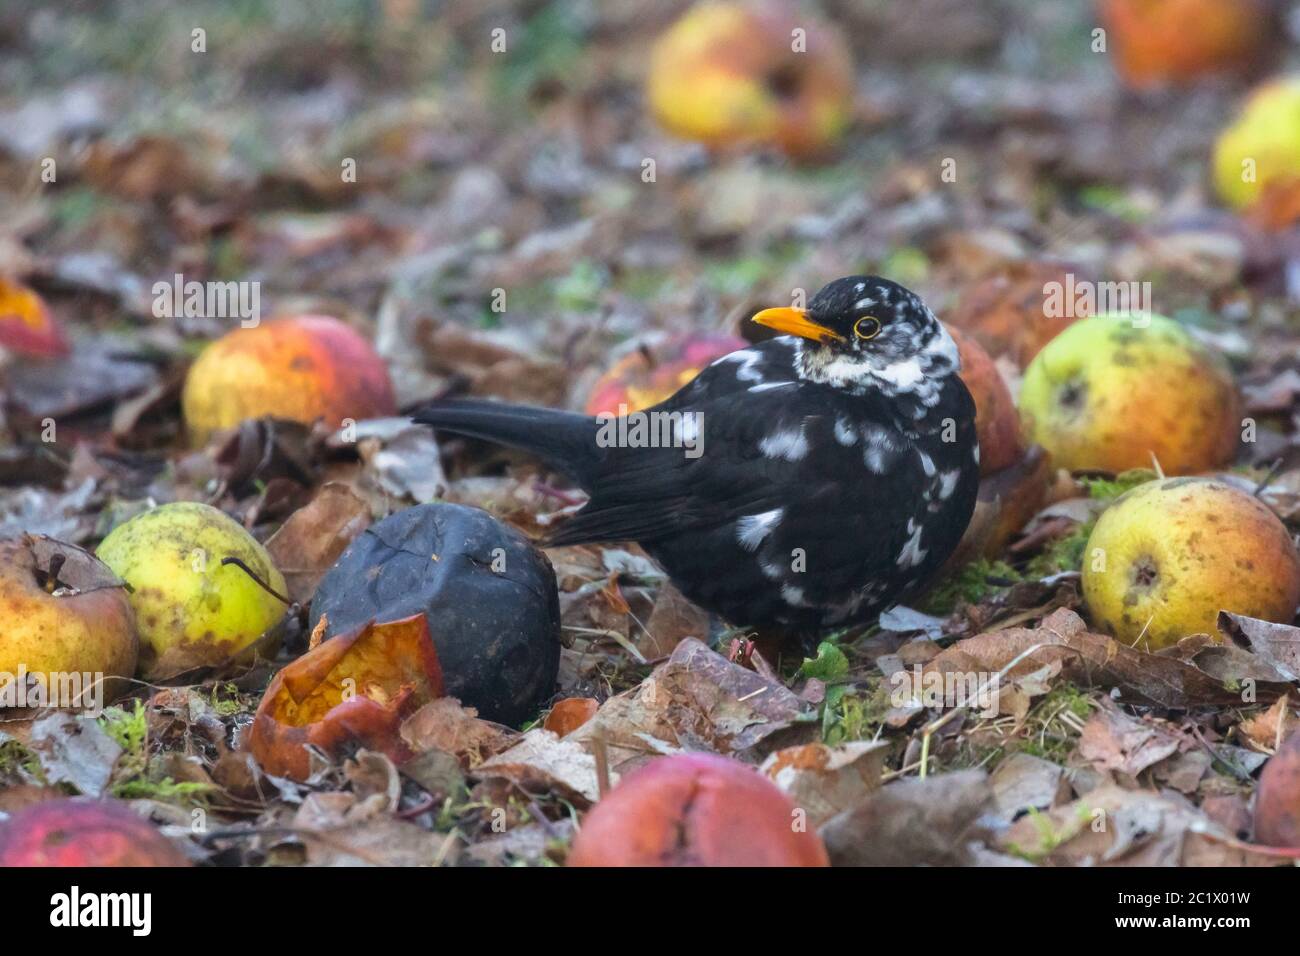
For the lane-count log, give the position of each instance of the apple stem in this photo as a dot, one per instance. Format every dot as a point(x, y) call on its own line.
point(261, 582)
point(57, 560)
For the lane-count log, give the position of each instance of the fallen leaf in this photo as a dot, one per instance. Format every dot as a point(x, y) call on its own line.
point(74, 749)
point(824, 781)
point(1024, 782)
point(308, 544)
point(1277, 644)
point(914, 822)
point(1113, 740)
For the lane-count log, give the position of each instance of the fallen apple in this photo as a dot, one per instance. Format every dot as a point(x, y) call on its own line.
point(489, 595)
point(195, 605)
point(1178, 41)
point(997, 422)
point(1020, 309)
point(354, 689)
point(1112, 391)
point(301, 368)
point(27, 327)
point(696, 810)
point(1277, 799)
point(735, 74)
point(1260, 150)
point(82, 833)
point(64, 619)
point(1166, 557)
point(646, 377)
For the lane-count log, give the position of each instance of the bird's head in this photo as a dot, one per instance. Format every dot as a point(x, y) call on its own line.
point(866, 326)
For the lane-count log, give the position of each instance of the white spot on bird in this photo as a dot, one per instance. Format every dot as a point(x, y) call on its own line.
point(752, 529)
point(748, 359)
point(788, 443)
point(844, 433)
point(912, 553)
point(948, 483)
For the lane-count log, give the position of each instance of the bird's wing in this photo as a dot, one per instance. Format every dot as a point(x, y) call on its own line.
point(754, 442)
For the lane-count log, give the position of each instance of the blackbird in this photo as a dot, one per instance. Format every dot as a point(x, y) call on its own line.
point(807, 482)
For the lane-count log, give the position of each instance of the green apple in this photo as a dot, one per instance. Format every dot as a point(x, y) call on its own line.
point(1112, 391)
point(192, 607)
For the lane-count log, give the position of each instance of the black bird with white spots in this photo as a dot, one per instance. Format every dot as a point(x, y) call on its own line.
point(836, 466)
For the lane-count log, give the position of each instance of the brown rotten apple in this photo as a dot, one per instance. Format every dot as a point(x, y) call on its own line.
point(302, 368)
point(63, 612)
point(356, 688)
point(997, 423)
point(696, 810)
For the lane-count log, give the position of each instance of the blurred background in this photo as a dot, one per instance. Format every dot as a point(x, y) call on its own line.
point(571, 180)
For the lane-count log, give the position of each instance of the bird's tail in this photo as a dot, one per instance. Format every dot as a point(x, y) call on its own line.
point(566, 441)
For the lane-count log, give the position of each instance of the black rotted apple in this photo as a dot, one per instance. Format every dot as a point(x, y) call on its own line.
point(488, 593)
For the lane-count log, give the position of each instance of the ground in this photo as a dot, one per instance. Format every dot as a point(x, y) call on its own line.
point(485, 218)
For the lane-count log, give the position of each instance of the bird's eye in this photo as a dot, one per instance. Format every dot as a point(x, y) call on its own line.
point(867, 327)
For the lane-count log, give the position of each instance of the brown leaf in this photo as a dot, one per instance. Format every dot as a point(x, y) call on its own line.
point(1110, 826)
point(673, 619)
point(696, 700)
point(824, 781)
point(1277, 644)
point(1090, 659)
point(541, 763)
point(1023, 782)
point(1267, 730)
point(445, 724)
point(1113, 740)
point(308, 544)
point(913, 822)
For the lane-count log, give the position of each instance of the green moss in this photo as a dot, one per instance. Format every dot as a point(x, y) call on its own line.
point(18, 760)
point(854, 714)
point(970, 583)
point(829, 665)
point(1107, 489)
point(135, 776)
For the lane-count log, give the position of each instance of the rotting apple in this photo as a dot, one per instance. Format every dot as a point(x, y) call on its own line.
point(1260, 150)
point(27, 326)
point(353, 688)
point(1277, 800)
point(647, 376)
point(1179, 41)
point(303, 368)
point(196, 603)
point(997, 422)
point(1112, 391)
point(63, 613)
point(1167, 556)
point(734, 74)
point(1018, 310)
point(82, 832)
point(695, 810)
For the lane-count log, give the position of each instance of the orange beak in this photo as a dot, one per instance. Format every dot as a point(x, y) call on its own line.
point(796, 322)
